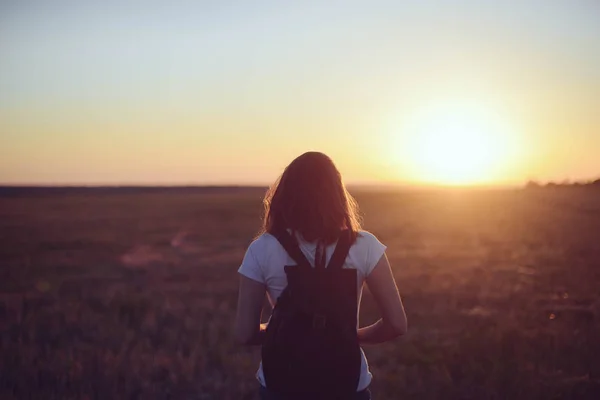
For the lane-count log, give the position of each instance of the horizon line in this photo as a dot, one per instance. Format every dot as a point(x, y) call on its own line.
point(357, 184)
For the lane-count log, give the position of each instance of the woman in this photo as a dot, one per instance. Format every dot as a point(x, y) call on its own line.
point(310, 203)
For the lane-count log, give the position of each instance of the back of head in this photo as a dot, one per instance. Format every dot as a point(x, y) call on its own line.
point(310, 198)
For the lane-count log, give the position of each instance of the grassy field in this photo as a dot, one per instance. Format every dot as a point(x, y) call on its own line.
point(113, 295)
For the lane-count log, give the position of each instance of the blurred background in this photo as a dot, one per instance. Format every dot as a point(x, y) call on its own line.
point(137, 140)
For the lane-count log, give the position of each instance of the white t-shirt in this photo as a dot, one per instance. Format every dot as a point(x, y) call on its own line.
point(265, 258)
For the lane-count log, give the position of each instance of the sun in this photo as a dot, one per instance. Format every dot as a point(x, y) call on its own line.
point(457, 145)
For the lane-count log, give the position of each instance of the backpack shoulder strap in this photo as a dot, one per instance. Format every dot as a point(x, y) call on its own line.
point(291, 247)
point(341, 250)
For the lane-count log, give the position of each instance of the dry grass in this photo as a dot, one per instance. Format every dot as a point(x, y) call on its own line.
point(111, 296)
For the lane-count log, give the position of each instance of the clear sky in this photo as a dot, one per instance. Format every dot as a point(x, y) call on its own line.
point(109, 92)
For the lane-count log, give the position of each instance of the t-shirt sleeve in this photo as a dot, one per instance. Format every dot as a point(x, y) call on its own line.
point(250, 266)
point(375, 249)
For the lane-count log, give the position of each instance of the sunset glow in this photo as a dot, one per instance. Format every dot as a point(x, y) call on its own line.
point(459, 145)
point(220, 93)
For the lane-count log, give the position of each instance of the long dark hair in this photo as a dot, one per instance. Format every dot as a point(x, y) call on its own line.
point(310, 198)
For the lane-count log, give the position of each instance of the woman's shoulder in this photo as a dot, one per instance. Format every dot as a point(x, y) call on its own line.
point(366, 238)
point(368, 250)
point(263, 242)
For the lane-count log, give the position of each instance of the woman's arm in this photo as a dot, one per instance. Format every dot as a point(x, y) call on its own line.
point(393, 322)
point(248, 329)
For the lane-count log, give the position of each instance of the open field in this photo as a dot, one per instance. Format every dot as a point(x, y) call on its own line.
point(108, 295)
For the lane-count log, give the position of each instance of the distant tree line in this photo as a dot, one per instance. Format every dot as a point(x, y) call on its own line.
point(532, 184)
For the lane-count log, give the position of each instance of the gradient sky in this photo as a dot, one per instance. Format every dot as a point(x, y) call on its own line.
point(106, 92)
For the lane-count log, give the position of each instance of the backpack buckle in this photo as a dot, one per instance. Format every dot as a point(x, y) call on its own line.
point(319, 321)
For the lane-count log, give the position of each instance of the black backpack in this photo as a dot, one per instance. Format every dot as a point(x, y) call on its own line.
point(311, 344)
